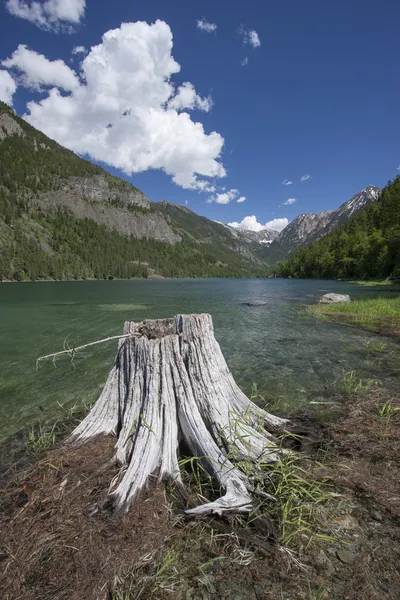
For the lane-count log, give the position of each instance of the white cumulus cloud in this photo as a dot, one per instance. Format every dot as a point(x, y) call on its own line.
point(37, 71)
point(204, 25)
point(398, 168)
point(79, 50)
point(245, 62)
point(277, 224)
point(250, 223)
point(120, 111)
point(186, 98)
point(287, 182)
point(224, 197)
point(7, 87)
point(50, 14)
point(241, 199)
point(250, 36)
point(305, 177)
point(290, 201)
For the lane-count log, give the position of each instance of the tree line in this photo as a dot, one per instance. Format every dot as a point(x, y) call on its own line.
point(57, 245)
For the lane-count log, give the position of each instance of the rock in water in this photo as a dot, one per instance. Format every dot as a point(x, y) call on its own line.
point(329, 298)
point(256, 303)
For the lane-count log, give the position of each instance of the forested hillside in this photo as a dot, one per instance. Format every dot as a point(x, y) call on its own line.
point(62, 217)
point(366, 246)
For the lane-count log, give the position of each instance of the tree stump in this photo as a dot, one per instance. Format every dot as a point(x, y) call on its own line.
point(170, 385)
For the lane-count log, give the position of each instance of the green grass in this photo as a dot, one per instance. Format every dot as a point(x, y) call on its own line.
point(41, 438)
point(353, 384)
point(387, 412)
point(377, 283)
point(376, 313)
point(299, 500)
point(372, 347)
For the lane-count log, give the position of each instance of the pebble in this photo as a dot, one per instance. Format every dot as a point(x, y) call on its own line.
point(377, 516)
point(345, 556)
point(346, 522)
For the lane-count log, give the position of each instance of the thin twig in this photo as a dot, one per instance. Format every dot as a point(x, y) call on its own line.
point(72, 351)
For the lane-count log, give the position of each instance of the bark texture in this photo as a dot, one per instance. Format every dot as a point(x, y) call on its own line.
point(170, 385)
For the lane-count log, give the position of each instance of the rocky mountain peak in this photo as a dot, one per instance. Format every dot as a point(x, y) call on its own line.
point(308, 227)
point(265, 236)
point(348, 208)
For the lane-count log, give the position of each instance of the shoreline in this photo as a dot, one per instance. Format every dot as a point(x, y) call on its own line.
point(366, 283)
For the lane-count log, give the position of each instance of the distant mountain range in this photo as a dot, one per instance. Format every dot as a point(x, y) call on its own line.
point(361, 241)
point(63, 217)
point(309, 227)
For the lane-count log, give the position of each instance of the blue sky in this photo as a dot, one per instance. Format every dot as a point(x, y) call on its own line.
point(319, 96)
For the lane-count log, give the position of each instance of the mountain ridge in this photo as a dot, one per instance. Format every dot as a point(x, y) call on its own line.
point(365, 245)
point(54, 204)
point(309, 227)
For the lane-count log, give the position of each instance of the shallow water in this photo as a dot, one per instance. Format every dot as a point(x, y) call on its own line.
point(291, 357)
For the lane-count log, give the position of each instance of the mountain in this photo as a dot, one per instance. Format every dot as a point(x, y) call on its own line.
point(251, 243)
point(349, 208)
point(63, 217)
point(265, 236)
point(299, 232)
point(309, 227)
point(366, 245)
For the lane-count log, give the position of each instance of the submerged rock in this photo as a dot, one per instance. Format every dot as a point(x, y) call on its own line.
point(255, 303)
point(329, 298)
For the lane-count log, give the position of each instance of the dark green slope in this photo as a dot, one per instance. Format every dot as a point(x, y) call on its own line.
point(188, 223)
point(366, 246)
point(41, 238)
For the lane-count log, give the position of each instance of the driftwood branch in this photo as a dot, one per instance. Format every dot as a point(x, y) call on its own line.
point(170, 386)
point(72, 351)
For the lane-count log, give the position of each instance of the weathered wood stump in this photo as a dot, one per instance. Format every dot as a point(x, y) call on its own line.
point(169, 385)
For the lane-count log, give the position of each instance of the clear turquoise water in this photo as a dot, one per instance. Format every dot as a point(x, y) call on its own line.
point(291, 357)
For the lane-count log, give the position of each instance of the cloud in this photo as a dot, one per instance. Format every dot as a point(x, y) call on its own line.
point(202, 185)
point(204, 25)
point(79, 50)
point(245, 62)
point(241, 199)
point(290, 201)
point(224, 197)
point(119, 111)
point(398, 168)
point(51, 15)
point(249, 36)
point(7, 87)
point(254, 40)
point(277, 224)
point(250, 223)
point(287, 182)
point(38, 71)
point(186, 98)
point(305, 177)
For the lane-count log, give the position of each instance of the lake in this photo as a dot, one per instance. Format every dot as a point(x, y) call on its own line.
point(292, 358)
